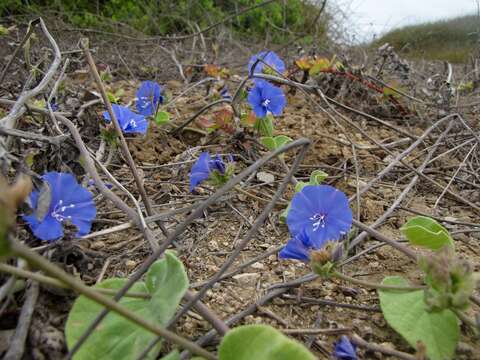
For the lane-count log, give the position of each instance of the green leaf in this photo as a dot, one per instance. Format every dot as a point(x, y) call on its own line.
point(426, 232)
point(261, 342)
point(112, 98)
point(283, 216)
point(317, 177)
point(3, 30)
point(281, 140)
point(117, 338)
point(319, 66)
point(162, 118)
point(268, 142)
point(300, 185)
point(105, 76)
point(406, 312)
point(167, 281)
point(264, 126)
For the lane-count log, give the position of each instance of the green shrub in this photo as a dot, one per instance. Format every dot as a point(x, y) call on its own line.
point(160, 17)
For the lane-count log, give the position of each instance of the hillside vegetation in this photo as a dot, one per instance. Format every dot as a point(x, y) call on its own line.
point(162, 17)
point(453, 40)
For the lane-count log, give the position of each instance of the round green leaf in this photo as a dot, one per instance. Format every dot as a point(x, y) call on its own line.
point(117, 338)
point(407, 313)
point(261, 342)
point(281, 140)
point(426, 232)
point(162, 117)
point(269, 142)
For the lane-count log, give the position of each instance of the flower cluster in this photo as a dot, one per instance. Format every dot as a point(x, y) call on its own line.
point(208, 166)
point(148, 97)
point(318, 214)
point(69, 202)
point(264, 97)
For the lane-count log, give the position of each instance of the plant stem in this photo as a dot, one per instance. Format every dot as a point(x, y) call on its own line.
point(374, 285)
point(118, 129)
point(38, 261)
point(54, 282)
point(379, 236)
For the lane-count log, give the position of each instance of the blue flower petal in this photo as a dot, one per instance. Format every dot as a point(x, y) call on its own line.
point(137, 124)
point(49, 229)
point(297, 248)
point(69, 202)
point(217, 164)
point(200, 170)
point(322, 212)
point(345, 350)
point(278, 102)
point(264, 97)
point(82, 215)
point(64, 186)
point(148, 97)
point(268, 57)
point(129, 121)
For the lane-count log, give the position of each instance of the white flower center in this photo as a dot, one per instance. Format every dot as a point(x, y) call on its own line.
point(266, 102)
point(59, 209)
point(133, 123)
point(318, 221)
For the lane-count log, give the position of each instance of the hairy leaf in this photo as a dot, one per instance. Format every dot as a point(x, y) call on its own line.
point(426, 232)
point(117, 338)
point(407, 313)
point(261, 342)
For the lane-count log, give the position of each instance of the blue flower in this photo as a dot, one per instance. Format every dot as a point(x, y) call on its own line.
point(344, 349)
point(322, 212)
point(297, 248)
point(69, 202)
point(53, 105)
point(148, 97)
point(225, 94)
point(205, 165)
point(128, 120)
point(268, 57)
point(265, 97)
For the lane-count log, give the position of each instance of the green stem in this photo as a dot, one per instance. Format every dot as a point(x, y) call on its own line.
point(374, 285)
point(41, 263)
point(54, 282)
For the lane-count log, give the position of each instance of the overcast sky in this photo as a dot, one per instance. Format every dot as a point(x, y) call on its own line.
point(377, 16)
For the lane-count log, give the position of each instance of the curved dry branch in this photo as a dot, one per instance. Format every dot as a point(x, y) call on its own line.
point(18, 108)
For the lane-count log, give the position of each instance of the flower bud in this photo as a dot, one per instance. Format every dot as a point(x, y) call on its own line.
point(450, 280)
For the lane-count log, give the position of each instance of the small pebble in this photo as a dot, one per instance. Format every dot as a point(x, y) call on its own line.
point(130, 264)
point(247, 279)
